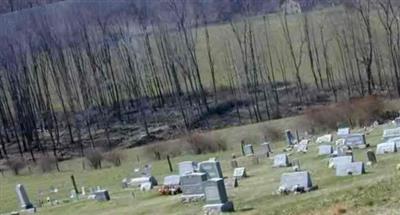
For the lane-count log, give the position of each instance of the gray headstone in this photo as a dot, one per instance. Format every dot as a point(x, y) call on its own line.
point(325, 150)
point(327, 138)
point(383, 148)
point(23, 197)
point(234, 164)
point(239, 173)
point(396, 142)
point(281, 160)
point(231, 183)
point(215, 191)
point(342, 132)
point(186, 167)
point(334, 162)
point(397, 121)
point(211, 168)
point(391, 133)
point(193, 183)
point(371, 157)
point(248, 149)
point(266, 148)
point(172, 180)
point(355, 140)
point(299, 179)
point(355, 168)
point(102, 195)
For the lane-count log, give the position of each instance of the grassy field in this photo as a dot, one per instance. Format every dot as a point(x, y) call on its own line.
point(373, 193)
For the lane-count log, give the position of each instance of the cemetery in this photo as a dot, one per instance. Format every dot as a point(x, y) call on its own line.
point(218, 182)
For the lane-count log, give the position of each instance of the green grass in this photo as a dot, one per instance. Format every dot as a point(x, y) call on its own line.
point(373, 192)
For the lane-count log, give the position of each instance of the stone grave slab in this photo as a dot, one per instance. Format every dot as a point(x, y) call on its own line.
point(192, 186)
point(216, 197)
point(325, 150)
point(383, 148)
point(296, 179)
point(397, 122)
point(172, 180)
point(101, 195)
point(327, 138)
point(345, 169)
point(343, 132)
point(239, 173)
point(231, 183)
point(211, 168)
point(391, 133)
point(281, 160)
point(334, 162)
point(355, 140)
point(265, 149)
point(24, 201)
point(371, 157)
point(248, 149)
point(396, 142)
point(186, 167)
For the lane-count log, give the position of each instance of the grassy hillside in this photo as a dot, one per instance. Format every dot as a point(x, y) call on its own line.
point(372, 193)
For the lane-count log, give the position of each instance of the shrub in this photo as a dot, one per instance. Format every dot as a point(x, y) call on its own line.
point(171, 148)
point(95, 158)
point(201, 143)
point(271, 133)
point(47, 164)
point(15, 165)
point(115, 157)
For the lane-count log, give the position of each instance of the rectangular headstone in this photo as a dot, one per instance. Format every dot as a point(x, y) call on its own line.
point(231, 183)
point(23, 197)
point(355, 168)
point(355, 140)
point(172, 180)
point(342, 132)
point(300, 179)
point(215, 191)
point(327, 138)
point(248, 149)
point(266, 148)
point(391, 133)
point(397, 121)
point(325, 150)
point(193, 183)
point(239, 173)
point(102, 195)
point(281, 160)
point(334, 162)
point(396, 142)
point(211, 168)
point(186, 167)
point(383, 148)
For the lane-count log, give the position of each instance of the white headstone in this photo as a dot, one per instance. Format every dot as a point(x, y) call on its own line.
point(147, 186)
point(281, 160)
point(334, 162)
point(239, 173)
point(248, 150)
point(396, 142)
point(299, 179)
point(397, 121)
point(23, 197)
point(327, 138)
point(211, 168)
point(172, 180)
point(383, 148)
point(342, 132)
point(391, 133)
point(325, 150)
point(187, 167)
point(345, 169)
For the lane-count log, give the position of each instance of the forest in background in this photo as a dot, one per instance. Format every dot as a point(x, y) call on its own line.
point(73, 80)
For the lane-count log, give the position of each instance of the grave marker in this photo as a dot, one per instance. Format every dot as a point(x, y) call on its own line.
point(239, 173)
point(266, 149)
point(327, 138)
point(396, 142)
point(186, 167)
point(355, 140)
point(383, 148)
point(216, 197)
point(248, 150)
point(211, 168)
point(193, 183)
point(172, 180)
point(289, 137)
point(292, 180)
point(391, 133)
point(345, 169)
point(102, 195)
point(343, 132)
point(371, 157)
point(23, 197)
point(334, 162)
point(231, 183)
point(325, 150)
point(234, 163)
point(397, 121)
point(281, 160)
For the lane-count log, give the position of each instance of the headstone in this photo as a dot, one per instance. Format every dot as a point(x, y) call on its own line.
point(343, 132)
point(396, 142)
point(193, 184)
point(334, 162)
point(371, 157)
point(295, 165)
point(397, 122)
point(23, 197)
point(234, 163)
point(172, 180)
point(239, 173)
point(231, 183)
point(136, 182)
point(293, 180)
point(325, 150)
point(383, 148)
point(186, 167)
point(216, 197)
point(266, 149)
point(391, 133)
point(147, 186)
point(289, 137)
point(102, 195)
point(302, 146)
point(345, 169)
point(248, 150)
point(211, 168)
point(340, 142)
point(355, 140)
point(327, 138)
point(147, 169)
point(281, 160)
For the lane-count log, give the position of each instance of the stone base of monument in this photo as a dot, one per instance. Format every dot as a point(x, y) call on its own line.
point(214, 209)
point(192, 198)
point(25, 211)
